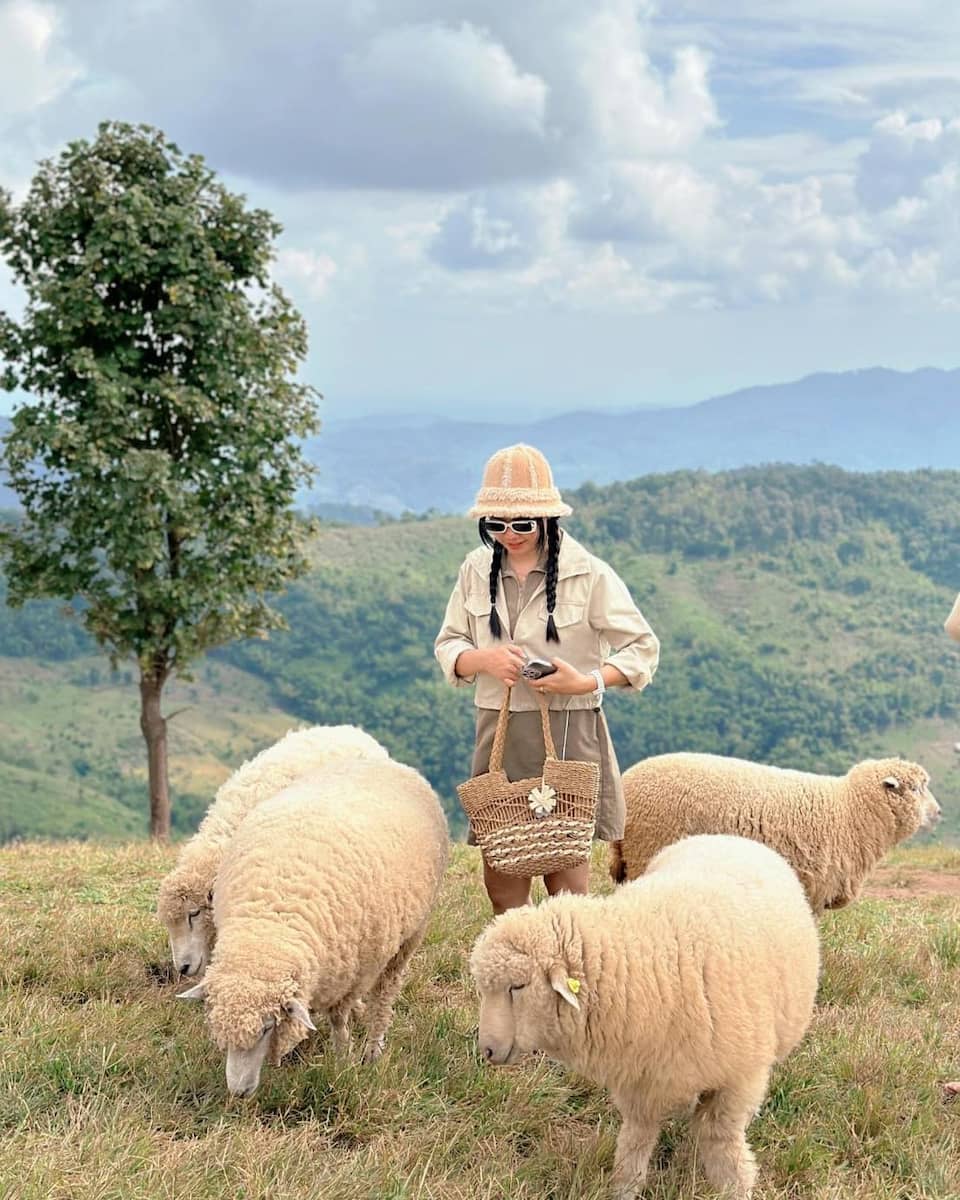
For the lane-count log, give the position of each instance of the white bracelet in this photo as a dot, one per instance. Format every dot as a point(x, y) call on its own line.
point(600, 688)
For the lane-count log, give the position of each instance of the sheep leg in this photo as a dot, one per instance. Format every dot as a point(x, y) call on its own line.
point(720, 1124)
point(380, 1001)
point(847, 894)
point(339, 1018)
point(635, 1144)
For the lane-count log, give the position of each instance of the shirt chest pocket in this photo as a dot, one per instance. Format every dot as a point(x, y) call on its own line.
point(478, 614)
point(566, 614)
point(572, 629)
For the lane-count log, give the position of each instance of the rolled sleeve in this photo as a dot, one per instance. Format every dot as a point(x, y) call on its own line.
point(952, 623)
point(454, 637)
point(634, 647)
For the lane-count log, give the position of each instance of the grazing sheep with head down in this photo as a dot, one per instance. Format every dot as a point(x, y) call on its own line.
point(185, 900)
point(322, 896)
point(831, 829)
point(680, 990)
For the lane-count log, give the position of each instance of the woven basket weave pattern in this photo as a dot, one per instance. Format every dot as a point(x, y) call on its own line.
point(512, 838)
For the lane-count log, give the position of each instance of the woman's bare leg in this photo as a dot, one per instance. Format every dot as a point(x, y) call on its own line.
point(575, 880)
point(505, 891)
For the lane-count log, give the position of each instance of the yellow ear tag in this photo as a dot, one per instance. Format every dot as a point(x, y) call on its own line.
point(574, 986)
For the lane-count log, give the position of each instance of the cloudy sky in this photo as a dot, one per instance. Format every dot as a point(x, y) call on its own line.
point(528, 206)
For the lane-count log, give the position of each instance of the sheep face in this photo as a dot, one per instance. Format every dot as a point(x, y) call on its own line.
point(906, 790)
point(250, 1024)
point(519, 1006)
point(190, 929)
point(244, 1065)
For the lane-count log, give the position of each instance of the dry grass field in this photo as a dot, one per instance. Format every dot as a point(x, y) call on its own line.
point(109, 1089)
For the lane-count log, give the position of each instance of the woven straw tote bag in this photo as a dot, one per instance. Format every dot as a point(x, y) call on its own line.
point(534, 826)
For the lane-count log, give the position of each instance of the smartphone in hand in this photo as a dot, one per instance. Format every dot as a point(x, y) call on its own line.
point(536, 668)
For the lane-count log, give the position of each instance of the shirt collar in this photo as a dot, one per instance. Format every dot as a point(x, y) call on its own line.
point(539, 568)
point(573, 559)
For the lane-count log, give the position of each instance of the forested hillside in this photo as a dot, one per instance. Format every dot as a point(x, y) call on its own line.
point(800, 611)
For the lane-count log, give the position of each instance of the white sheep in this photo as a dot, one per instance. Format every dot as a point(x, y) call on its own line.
point(831, 829)
point(322, 896)
point(678, 991)
point(186, 894)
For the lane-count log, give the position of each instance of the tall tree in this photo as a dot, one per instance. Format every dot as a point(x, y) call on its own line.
point(156, 460)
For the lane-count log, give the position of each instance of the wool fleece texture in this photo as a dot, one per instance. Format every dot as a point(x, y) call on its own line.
point(832, 830)
point(322, 896)
point(185, 899)
point(677, 992)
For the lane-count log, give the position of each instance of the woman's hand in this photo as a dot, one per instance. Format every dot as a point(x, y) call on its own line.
point(503, 663)
point(565, 681)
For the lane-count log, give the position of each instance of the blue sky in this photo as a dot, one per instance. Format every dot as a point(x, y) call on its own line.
point(503, 208)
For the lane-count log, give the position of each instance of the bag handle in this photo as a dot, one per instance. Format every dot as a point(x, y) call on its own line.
point(500, 736)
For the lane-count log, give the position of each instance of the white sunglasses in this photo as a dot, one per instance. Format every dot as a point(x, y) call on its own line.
point(524, 525)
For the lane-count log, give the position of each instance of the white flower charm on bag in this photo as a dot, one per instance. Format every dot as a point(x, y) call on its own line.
point(543, 800)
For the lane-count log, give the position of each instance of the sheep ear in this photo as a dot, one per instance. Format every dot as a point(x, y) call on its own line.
point(197, 992)
point(298, 1010)
point(562, 984)
point(892, 783)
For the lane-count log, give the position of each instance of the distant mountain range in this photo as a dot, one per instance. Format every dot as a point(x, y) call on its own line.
point(8, 498)
point(862, 420)
point(867, 420)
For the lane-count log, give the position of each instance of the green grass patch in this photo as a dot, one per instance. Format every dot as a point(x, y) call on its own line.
point(110, 1090)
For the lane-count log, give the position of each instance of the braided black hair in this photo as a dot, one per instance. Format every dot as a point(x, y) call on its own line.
point(553, 555)
point(495, 627)
point(547, 531)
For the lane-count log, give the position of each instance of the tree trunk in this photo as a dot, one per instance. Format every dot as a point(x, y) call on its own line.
point(154, 727)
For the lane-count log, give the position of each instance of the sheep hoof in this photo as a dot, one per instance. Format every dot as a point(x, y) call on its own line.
point(374, 1050)
point(627, 1184)
point(340, 1041)
point(628, 1191)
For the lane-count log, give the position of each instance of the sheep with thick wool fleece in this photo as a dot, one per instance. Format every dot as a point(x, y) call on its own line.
point(831, 829)
point(322, 896)
point(185, 900)
point(678, 991)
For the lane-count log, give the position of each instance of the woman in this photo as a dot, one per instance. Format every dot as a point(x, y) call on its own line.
point(531, 591)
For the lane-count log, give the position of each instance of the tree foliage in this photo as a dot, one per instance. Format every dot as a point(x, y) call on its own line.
point(156, 460)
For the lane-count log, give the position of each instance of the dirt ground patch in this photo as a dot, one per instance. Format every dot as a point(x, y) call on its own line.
point(905, 883)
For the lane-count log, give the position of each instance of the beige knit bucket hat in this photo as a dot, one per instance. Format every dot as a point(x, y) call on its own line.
point(518, 482)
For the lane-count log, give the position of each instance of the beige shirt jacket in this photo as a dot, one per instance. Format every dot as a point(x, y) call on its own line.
point(952, 624)
point(595, 616)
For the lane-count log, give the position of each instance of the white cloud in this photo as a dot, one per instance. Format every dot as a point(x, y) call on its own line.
point(507, 228)
point(825, 59)
point(649, 200)
point(473, 235)
point(429, 64)
point(634, 112)
point(411, 239)
point(305, 93)
point(421, 94)
point(903, 156)
point(33, 68)
point(552, 153)
point(306, 271)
